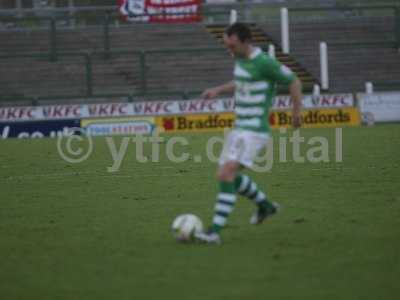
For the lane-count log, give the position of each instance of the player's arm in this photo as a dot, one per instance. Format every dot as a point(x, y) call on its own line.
point(228, 87)
point(281, 74)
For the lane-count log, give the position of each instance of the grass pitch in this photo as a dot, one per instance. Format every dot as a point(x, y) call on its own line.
point(79, 232)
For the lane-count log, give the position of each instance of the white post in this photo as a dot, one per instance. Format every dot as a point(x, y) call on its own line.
point(285, 30)
point(18, 7)
point(369, 87)
point(323, 51)
point(271, 50)
point(71, 7)
point(71, 12)
point(233, 16)
point(316, 90)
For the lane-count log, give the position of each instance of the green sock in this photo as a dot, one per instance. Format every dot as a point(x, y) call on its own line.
point(226, 199)
point(248, 188)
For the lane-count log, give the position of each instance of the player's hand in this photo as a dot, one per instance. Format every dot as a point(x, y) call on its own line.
point(296, 121)
point(210, 93)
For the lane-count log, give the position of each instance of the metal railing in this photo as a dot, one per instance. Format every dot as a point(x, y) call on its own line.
point(393, 85)
point(358, 13)
point(108, 20)
point(87, 63)
point(102, 16)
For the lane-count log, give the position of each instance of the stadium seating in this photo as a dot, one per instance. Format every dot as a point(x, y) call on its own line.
point(263, 40)
point(354, 46)
point(360, 49)
point(121, 73)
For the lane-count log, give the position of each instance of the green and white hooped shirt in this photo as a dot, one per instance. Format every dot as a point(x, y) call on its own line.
point(256, 80)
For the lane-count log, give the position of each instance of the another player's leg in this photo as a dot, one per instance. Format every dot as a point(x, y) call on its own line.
point(248, 188)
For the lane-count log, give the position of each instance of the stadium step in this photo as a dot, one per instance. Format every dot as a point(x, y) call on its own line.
point(263, 40)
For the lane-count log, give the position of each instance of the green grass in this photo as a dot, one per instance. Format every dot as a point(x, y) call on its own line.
point(79, 232)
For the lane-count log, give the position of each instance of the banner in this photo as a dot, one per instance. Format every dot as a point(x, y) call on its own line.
point(161, 11)
point(212, 121)
point(155, 108)
point(317, 118)
point(81, 111)
point(380, 107)
point(195, 123)
point(310, 101)
point(311, 118)
point(118, 126)
point(38, 129)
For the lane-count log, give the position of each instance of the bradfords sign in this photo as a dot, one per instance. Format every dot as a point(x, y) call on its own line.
point(314, 118)
point(196, 123)
point(161, 11)
point(311, 118)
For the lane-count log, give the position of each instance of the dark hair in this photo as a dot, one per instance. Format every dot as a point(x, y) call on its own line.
point(241, 30)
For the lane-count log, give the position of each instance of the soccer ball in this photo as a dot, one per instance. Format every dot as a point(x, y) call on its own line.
point(185, 226)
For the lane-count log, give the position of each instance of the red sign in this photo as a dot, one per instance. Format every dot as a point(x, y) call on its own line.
point(161, 11)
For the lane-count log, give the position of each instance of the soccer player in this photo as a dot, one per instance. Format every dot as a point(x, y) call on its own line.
point(256, 76)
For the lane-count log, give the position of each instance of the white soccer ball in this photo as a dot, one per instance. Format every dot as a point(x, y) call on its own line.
point(185, 226)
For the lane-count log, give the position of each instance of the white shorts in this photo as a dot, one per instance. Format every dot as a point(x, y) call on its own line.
point(243, 146)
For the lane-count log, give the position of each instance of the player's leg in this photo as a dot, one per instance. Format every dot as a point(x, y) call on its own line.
point(239, 149)
point(226, 199)
point(245, 186)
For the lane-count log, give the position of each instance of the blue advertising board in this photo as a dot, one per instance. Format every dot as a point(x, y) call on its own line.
point(37, 129)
